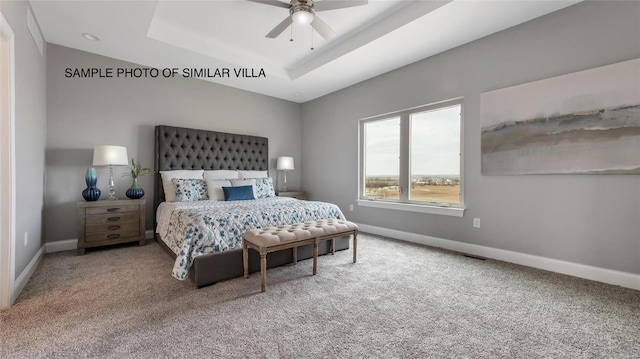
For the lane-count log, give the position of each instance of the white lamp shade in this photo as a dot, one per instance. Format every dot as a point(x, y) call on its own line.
point(110, 155)
point(284, 164)
point(302, 17)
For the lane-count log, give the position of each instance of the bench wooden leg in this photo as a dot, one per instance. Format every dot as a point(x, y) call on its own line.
point(263, 271)
point(355, 245)
point(245, 258)
point(333, 246)
point(315, 256)
point(295, 255)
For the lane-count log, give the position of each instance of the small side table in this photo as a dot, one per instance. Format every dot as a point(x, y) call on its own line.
point(106, 222)
point(293, 194)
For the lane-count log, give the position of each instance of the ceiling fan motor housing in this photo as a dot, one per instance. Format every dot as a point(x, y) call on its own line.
point(301, 5)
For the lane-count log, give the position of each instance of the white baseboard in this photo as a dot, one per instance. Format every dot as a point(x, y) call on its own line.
point(26, 274)
point(59, 246)
point(72, 244)
point(623, 279)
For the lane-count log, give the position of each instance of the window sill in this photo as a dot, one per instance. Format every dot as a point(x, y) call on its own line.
point(421, 208)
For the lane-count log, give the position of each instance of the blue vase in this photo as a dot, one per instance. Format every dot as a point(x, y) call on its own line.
point(91, 193)
point(135, 192)
point(91, 177)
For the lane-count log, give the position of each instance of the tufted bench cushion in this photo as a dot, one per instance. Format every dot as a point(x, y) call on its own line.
point(271, 239)
point(271, 236)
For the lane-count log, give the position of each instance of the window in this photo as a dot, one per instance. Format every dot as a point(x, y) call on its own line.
point(382, 160)
point(411, 160)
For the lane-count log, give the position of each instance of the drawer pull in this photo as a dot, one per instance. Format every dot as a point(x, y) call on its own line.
point(113, 227)
point(116, 209)
point(112, 236)
point(113, 219)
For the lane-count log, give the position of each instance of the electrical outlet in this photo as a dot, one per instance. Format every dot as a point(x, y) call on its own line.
point(476, 222)
point(351, 207)
point(26, 238)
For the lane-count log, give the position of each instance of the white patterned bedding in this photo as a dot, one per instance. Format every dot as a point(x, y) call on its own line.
point(191, 229)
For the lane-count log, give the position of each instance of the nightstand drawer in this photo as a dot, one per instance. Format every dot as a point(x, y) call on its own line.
point(114, 218)
point(92, 229)
point(125, 232)
point(112, 209)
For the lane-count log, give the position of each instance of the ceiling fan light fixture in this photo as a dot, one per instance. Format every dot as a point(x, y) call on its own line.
point(303, 12)
point(302, 17)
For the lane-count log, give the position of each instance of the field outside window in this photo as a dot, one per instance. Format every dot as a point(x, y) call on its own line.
point(413, 156)
point(383, 158)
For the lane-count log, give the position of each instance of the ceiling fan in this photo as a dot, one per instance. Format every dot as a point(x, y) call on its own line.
point(303, 12)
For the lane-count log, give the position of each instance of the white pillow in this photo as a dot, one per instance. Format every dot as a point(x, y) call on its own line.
point(252, 174)
point(214, 188)
point(220, 174)
point(169, 188)
point(245, 182)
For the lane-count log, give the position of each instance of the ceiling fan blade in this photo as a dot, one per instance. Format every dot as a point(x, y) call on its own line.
point(322, 28)
point(337, 4)
point(272, 3)
point(279, 28)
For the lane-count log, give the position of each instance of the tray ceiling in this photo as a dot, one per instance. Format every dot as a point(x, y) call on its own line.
point(371, 39)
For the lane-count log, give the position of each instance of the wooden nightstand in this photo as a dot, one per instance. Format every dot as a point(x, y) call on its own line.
point(293, 194)
point(106, 222)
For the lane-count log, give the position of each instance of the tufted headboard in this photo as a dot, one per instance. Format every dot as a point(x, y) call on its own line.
point(178, 148)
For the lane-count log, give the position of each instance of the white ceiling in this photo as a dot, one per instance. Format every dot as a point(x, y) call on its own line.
point(372, 39)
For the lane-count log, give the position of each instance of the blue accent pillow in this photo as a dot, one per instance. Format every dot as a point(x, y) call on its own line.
point(239, 193)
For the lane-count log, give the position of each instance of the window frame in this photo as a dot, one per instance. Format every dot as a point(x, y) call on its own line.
point(403, 203)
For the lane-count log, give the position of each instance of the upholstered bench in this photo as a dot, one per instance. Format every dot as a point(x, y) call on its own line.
point(271, 239)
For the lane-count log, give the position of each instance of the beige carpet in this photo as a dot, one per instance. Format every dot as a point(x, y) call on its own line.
point(399, 301)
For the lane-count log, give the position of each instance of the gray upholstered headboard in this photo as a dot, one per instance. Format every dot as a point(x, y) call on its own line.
point(178, 148)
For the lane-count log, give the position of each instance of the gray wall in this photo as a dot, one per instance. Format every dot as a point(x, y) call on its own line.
point(82, 113)
point(30, 128)
point(593, 220)
point(30, 134)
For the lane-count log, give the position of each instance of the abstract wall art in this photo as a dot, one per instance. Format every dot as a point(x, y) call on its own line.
point(586, 122)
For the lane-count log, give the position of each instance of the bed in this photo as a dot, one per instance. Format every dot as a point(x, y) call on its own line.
point(205, 263)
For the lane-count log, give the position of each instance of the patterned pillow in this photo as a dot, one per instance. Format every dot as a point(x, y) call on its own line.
point(264, 188)
point(189, 190)
point(170, 188)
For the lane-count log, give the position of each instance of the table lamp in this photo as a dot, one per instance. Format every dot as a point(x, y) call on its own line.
point(284, 164)
point(110, 156)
